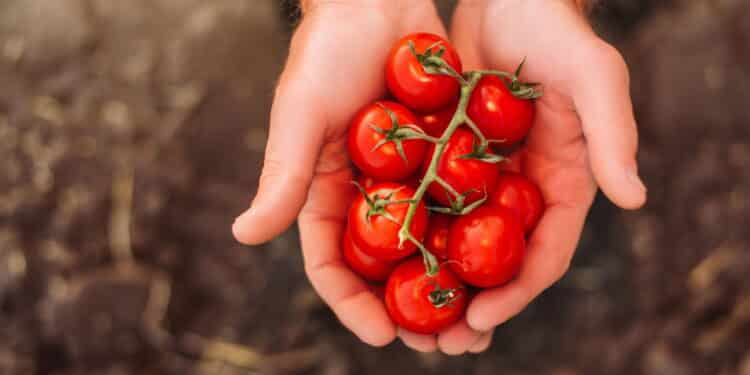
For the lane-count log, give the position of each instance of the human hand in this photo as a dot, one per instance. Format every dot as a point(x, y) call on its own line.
point(584, 135)
point(335, 67)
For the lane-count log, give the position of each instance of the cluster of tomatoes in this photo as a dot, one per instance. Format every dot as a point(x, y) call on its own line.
point(440, 211)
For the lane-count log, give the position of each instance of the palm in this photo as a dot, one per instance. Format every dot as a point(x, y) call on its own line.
point(569, 144)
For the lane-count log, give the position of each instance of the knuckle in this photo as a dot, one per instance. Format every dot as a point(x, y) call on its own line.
point(605, 55)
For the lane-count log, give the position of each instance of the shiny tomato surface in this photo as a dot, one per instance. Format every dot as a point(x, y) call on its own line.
point(377, 235)
point(407, 298)
point(486, 248)
point(408, 81)
point(384, 162)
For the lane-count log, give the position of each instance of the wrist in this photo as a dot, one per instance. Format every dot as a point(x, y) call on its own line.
point(307, 5)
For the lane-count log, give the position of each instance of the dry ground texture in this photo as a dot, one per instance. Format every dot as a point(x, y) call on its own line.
point(131, 133)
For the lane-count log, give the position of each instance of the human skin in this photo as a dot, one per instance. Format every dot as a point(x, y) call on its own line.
point(584, 135)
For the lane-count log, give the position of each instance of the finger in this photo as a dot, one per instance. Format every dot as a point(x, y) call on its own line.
point(483, 343)
point(418, 342)
point(465, 33)
point(321, 226)
point(288, 166)
point(549, 252)
point(601, 94)
point(458, 338)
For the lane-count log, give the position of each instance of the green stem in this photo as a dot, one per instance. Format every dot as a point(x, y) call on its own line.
point(459, 118)
point(483, 143)
point(495, 73)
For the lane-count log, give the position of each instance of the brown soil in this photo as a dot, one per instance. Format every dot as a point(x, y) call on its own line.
point(169, 100)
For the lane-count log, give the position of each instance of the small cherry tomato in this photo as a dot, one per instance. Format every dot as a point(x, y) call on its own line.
point(374, 223)
point(469, 176)
point(409, 82)
point(518, 193)
point(486, 247)
point(421, 303)
point(373, 153)
point(499, 114)
point(436, 239)
point(411, 181)
point(435, 123)
point(370, 268)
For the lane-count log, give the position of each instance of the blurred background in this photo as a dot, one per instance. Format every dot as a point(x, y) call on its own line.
point(132, 132)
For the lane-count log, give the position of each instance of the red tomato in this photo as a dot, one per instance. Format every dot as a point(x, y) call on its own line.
point(384, 162)
point(366, 266)
point(365, 181)
point(411, 181)
point(464, 175)
point(407, 298)
point(499, 114)
point(435, 123)
point(378, 235)
point(522, 196)
point(436, 239)
point(411, 84)
point(486, 247)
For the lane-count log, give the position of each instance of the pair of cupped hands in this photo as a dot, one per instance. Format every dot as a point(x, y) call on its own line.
point(584, 136)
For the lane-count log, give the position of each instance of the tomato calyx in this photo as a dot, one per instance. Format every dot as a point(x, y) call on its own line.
point(433, 62)
point(442, 297)
point(457, 206)
point(377, 204)
point(399, 133)
point(518, 88)
point(479, 152)
point(523, 90)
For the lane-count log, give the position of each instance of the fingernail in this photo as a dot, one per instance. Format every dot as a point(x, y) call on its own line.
point(245, 215)
point(632, 174)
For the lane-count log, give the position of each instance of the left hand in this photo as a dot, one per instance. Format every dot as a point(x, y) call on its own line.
point(584, 135)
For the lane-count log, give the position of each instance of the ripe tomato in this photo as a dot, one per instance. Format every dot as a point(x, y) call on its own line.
point(465, 175)
point(366, 266)
point(435, 123)
point(409, 82)
point(436, 239)
point(499, 114)
point(522, 196)
point(486, 247)
point(409, 303)
point(383, 161)
point(377, 235)
point(411, 181)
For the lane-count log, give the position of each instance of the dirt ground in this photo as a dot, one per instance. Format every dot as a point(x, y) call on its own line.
point(132, 132)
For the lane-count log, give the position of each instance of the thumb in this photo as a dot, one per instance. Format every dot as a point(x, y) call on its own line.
point(295, 138)
point(602, 99)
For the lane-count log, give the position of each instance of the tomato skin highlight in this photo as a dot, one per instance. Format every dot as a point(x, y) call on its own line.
point(435, 123)
point(384, 163)
point(436, 239)
point(407, 298)
point(487, 247)
point(369, 268)
point(499, 114)
point(464, 175)
point(379, 237)
point(411, 84)
point(516, 192)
